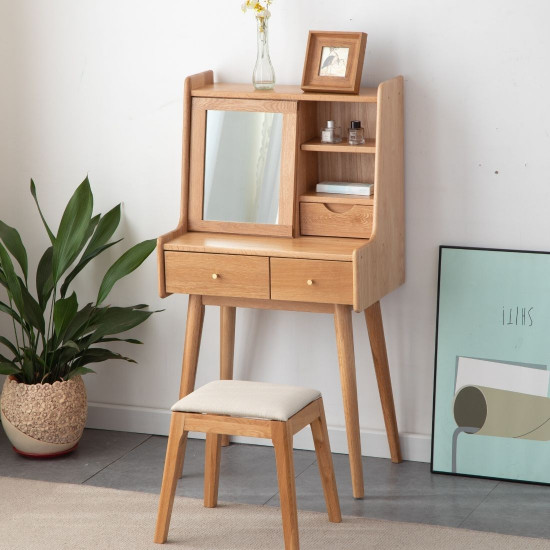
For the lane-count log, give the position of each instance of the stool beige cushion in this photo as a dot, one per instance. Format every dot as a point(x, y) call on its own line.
point(247, 399)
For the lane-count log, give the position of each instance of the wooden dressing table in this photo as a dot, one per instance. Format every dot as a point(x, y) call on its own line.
point(325, 253)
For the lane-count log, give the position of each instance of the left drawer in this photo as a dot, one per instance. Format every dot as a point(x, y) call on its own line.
point(217, 274)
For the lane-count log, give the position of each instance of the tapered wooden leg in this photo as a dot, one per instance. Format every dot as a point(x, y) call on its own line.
point(326, 467)
point(193, 333)
point(227, 348)
point(174, 451)
point(346, 359)
point(373, 315)
point(212, 469)
point(282, 441)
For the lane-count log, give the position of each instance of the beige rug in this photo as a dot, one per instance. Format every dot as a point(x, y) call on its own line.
point(36, 515)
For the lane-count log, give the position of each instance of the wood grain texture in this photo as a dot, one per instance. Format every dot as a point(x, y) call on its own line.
point(280, 305)
point(337, 198)
point(326, 467)
point(230, 425)
point(315, 144)
point(217, 274)
point(373, 316)
point(330, 281)
point(227, 348)
point(170, 477)
point(282, 442)
point(247, 105)
point(191, 82)
point(379, 267)
point(212, 457)
point(346, 360)
point(325, 219)
point(322, 248)
point(281, 93)
point(304, 417)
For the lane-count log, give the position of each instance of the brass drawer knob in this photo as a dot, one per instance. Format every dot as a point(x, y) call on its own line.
point(309, 282)
point(215, 275)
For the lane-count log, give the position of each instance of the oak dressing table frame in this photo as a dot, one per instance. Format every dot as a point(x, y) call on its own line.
point(330, 253)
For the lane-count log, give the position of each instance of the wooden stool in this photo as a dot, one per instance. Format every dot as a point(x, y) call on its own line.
point(252, 409)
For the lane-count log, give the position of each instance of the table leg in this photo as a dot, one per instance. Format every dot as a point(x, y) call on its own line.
point(346, 360)
point(193, 332)
point(227, 348)
point(373, 316)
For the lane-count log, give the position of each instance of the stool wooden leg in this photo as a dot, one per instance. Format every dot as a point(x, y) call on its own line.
point(282, 441)
point(346, 359)
point(227, 348)
point(373, 316)
point(193, 333)
point(212, 469)
point(174, 451)
point(326, 467)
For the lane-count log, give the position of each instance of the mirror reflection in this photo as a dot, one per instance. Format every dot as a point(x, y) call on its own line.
point(242, 166)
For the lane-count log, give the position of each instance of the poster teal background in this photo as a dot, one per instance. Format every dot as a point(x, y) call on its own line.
point(476, 286)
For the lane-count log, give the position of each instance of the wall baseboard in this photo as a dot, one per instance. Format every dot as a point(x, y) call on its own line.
point(125, 418)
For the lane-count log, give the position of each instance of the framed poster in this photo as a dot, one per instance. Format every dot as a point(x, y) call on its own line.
point(491, 415)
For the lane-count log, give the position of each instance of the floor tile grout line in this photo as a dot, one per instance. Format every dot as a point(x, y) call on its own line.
point(295, 477)
point(486, 497)
point(117, 459)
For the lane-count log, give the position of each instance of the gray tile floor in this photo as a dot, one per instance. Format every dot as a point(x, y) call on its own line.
point(402, 492)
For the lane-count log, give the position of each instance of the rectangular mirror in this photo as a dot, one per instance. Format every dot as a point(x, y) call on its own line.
point(242, 166)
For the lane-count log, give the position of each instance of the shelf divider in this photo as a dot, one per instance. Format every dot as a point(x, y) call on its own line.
point(316, 144)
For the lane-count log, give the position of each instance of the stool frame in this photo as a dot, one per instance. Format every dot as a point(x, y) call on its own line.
point(280, 432)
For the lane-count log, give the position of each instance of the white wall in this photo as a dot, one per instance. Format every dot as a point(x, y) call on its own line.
point(95, 87)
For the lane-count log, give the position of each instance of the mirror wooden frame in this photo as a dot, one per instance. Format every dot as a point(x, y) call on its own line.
point(288, 161)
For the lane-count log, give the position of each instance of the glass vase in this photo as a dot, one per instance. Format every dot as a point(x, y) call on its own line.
point(263, 76)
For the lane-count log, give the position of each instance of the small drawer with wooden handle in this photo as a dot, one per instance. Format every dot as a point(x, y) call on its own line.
point(325, 219)
point(327, 282)
point(217, 274)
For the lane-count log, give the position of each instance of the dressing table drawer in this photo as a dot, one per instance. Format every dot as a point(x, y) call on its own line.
point(217, 274)
point(336, 220)
point(311, 281)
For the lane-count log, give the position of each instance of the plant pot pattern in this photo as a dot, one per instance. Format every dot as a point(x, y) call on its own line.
point(52, 413)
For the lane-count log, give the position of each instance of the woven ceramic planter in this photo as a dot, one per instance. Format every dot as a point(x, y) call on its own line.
point(44, 419)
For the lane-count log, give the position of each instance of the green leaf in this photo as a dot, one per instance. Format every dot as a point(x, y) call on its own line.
point(127, 263)
point(44, 278)
point(64, 312)
point(11, 312)
point(79, 371)
point(12, 281)
point(98, 355)
point(114, 320)
point(82, 264)
point(28, 371)
point(8, 368)
point(105, 230)
point(32, 313)
point(72, 229)
point(80, 325)
point(10, 346)
point(129, 340)
point(33, 193)
point(14, 244)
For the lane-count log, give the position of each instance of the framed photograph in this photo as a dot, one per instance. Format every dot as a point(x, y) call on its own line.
point(491, 414)
point(334, 62)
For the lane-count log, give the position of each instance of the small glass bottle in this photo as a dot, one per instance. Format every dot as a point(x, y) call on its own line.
point(356, 134)
point(332, 133)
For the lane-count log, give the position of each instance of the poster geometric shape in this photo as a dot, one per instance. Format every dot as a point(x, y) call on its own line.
point(491, 414)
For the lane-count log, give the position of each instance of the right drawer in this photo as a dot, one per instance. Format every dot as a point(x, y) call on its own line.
point(326, 282)
point(336, 220)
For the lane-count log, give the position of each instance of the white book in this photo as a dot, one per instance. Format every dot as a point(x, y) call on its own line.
point(345, 188)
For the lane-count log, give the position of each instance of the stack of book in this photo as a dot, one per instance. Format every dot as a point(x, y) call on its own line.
point(345, 188)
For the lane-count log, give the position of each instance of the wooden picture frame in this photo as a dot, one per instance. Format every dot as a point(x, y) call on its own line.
point(334, 61)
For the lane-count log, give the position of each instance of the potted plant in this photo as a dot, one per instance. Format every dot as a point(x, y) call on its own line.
point(43, 404)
